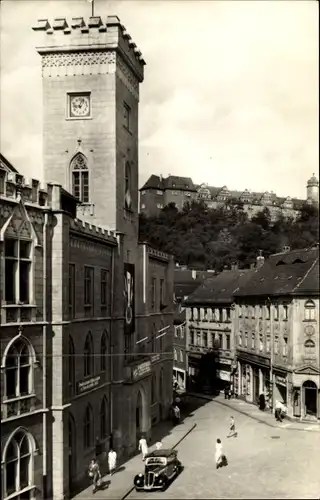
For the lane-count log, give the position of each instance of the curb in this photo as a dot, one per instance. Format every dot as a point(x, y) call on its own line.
point(208, 398)
point(177, 444)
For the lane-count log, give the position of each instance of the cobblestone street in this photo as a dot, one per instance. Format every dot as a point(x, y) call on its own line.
point(264, 461)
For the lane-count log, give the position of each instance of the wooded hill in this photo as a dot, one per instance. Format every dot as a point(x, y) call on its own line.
point(205, 238)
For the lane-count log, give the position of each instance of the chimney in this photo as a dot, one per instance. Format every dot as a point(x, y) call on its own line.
point(260, 259)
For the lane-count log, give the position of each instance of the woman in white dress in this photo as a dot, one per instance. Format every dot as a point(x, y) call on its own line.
point(218, 454)
point(143, 447)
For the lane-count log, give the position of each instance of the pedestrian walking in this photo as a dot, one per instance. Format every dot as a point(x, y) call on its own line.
point(158, 445)
point(176, 414)
point(226, 392)
point(278, 411)
point(220, 458)
point(112, 461)
point(143, 447)
point(94, 474)
point(232, 429)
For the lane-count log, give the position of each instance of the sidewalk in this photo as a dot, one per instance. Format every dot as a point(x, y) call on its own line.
point(118, 485)
point(252, 411)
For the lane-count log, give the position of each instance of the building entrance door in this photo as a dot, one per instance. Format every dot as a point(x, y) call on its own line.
point(310, 398)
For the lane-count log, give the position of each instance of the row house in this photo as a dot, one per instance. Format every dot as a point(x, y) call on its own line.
point(179, 349)
point(210, 341)
point(276, 328)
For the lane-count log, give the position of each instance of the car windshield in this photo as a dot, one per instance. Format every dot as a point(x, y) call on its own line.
point(153, 467)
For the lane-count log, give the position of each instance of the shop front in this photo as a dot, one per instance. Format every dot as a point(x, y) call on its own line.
point(280, 384)
point(253, 376)
point(306, 393)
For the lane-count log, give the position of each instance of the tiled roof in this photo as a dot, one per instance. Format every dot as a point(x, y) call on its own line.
point(6, 165)
point(287, 273)
point(154, 182)
point(221, 288)
point(180, 183)
point(186, 281)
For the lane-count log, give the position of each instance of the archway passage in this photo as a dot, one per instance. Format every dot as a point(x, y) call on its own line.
point(310, 397)
point(72, 452)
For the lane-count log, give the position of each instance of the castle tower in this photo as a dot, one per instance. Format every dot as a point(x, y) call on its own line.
point(313, 189)
point(91, 74)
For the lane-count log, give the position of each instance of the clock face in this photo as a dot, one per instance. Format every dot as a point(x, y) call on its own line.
point(79, 106)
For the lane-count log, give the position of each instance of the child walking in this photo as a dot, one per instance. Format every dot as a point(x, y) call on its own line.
point(112, 461)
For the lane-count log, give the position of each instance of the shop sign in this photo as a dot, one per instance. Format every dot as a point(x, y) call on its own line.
point(223, 375)
point(86, 385)
point(280, 380)
point(253, 358)
point(141, 370)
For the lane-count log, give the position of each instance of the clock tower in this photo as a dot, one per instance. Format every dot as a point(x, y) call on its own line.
point(91, 73)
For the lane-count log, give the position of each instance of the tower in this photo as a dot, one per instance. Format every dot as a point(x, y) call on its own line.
point(91, 74)
point(313, 189)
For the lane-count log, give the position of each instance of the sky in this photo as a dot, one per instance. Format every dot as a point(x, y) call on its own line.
point(230, 95)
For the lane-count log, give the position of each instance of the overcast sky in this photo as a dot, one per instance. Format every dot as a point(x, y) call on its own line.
point(230, 95)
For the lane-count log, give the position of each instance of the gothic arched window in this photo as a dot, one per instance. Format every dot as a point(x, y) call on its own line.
point(103, 352)
point(88, 427)
point(80, 178)
point(19, 369)
point(127, 184)
point(88, 356)
point(72, 371)
point(18, 464)
point(104, 418)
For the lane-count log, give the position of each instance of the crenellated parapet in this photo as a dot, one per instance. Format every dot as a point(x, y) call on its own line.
point(92, 231)
point(158, 254)
point(15, 186)
point(88, 47)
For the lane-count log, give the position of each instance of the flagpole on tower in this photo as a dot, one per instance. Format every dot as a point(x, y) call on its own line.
point(92, 7)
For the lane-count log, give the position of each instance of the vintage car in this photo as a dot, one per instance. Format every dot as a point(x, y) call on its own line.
point(161, 466)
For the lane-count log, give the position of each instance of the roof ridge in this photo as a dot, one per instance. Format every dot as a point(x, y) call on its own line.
point(306, 274)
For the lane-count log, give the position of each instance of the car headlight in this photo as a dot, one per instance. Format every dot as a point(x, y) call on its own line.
point(156, 475)
point(140, 475)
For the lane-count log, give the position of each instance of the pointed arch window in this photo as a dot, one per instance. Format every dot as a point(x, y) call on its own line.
point(80, 178)
point(18, 369)
point(18, 465)
point(17, 254)
point(72, 370)
point(88, 427)
point(104, 418)
point(88, 356)
point(309, 310)
point(103, 351)
point(127, 183)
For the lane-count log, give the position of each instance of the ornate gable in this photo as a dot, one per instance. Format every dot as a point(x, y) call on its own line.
point(18, 225)
point(307, 370)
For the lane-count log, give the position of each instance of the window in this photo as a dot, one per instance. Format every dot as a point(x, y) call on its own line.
point(240, 339)
point(88, 286)
point(268, 312)
point(228, 342)
point(309, 310)
point(153, 294)
point(18, 465)
point(276, 312)
point(285, 346)
point(19, 369)
point(126, 116)
point(127, 186)
point(162, 299)
point(220, 312)
point(199, 338)
point(260, 312)
point(159, 192)
point(104, 290)
point(88, 356)
point(285, 313)
point(154, 340)
point(253, 340)
point(260, 342)
point(72, 290)
point(176, 331)
point(276, 345)
point(88, 427)
point(104, 418)
point(246, 339)
point(191, 337)
point(143, 193)
point(205, 339)
point(175, 354)
point(268, 343)
point(159, 205)
point(72, 369)
point(17, 270)
point(228, 313)
point(80, 178)
point(103, 352)
point(182, 327)
point(181, 356)
point(220, 341)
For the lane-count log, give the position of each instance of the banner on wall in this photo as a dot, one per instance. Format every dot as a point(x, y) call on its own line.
point(129, 298)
